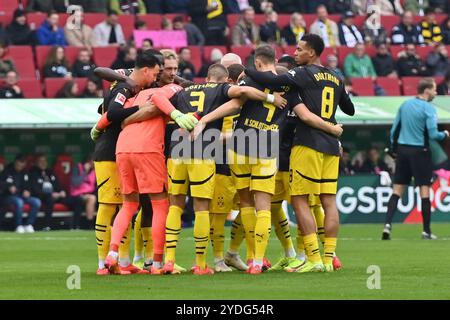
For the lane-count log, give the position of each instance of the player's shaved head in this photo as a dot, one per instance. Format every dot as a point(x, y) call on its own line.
point(266, 54)
point(234, 71)
point(217, 73)
point(281, 69)
point(229, 59)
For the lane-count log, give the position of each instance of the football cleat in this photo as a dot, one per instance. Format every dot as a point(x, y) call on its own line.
point(337, 264)
point(428, 236)
point(197, 270)
point(386, 232)
point(102, 272)
point(254, 269)
point(220, 266)
point(294, 265)
point(266, 264)
point(170, 269)
point(112, 264)
point(178, 268)
point(139, 263)
point(156, 271)
point(282, 263)
point(309, 266)
point(130, 268)
point(235, 261)
point(328, 267)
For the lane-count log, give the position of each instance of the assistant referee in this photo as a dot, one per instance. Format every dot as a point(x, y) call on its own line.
point(414, 125)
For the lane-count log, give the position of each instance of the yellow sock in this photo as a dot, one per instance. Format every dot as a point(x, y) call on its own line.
point(103, 223)
point(319, 215)
point(138, 241)
point(312, 248)
point(329, 250)
point(211, 229)
point(282, 230)
point(262, 233)
point(300, 243)
point(201, 237)
point(237, 234)
point(248, 217)
point(173, 229)
point(148, 242)
point(218, 237)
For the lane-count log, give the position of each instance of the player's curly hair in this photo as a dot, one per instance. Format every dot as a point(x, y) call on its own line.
point(315, 42)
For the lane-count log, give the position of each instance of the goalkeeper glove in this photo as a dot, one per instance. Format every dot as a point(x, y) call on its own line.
point(185, 121)
point(95, 133)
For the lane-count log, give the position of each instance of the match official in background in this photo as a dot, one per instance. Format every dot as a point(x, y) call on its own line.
point(414, 125)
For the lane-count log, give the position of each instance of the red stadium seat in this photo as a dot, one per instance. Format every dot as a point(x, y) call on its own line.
point(22, 56)
point(53, 85)
point(104, 56)
point(170, 16)
point(284, 20)
point(326, 52)
point(199, 80)
point(359, 21)
point(289, 50)
point(207, 51)
point(9, 5)
point(92, 19)
point(41, 55)
point(232, 19)
point(260, 19)
point(59, 207)
point(242, 52)
point(38, 18)
point(335, 17)
point(424, 51)
point(363, 86)
point(309, 19)
point(63, 169)
point(278, 51)
point(127, 23)
point(196, 57)
point(31, 88)
point(153, 21)
point(395, 50)
point(390, 85)
point(5, 18)
point(410, 85)
point(71, 53)
point(388, 22)
point(440, 17)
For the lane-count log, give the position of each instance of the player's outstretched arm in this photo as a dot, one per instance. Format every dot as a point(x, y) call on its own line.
point(269, 78)
point(346, 104)
point(185, 121)
point(317, 122)
point(255, 94)
point(145, 112)
point(111, 75)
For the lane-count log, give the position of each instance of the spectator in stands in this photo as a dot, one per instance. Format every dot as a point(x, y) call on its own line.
point(109, 32)
point(446, 31)
point(293, 32)
point(126, 58)
point(285, 6)
point(49, 33)
point(409, 63)
point(332, 63)
point(128, 6)
point(339, 6)
point(15, 191)
point(431, 31)
point(441, 6)
point(407, 32)
point(270, 32)
point(3, 36)
point(83, 186)
point(44, 185)
point(358, 64)
point(373, 164)
point(147, 44)
point(437, 61)
point(155, 6)
point(211, 19)
point(40, 5)
point(166, 24)
point(417, 7)
point(374, 34)
point(349, 35)
point(19, 32)
point(97, 6)
point(69, 90)
point(345, 163)
point(84, 66)
point(186, 69)
point(194, 35)
point(287, 61)
point(77, 33)
point(383, 62)
point(56, 65)
point(92, 90)
point(216, 56)
point(177, 6)
point(325, 28)
point(444, 87)
point(11, 90)
point(386, 7)
point(246, 31)
point(6, 65)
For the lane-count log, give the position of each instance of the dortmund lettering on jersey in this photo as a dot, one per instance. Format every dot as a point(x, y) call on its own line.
point(261, 122)
point(321, 90)
point(203, 99)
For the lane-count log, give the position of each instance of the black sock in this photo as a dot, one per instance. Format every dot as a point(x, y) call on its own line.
point(392, 207)
point(426, 214)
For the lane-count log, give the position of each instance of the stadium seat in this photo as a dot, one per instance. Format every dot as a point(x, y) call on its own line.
point(170, 16)
point(59, 207)
point(153, 21)
point(390, 85)
point(63, 169)
point(409, 85)
point(53, 85)
point(363, 86)
point(335, 17)
point(31, 88)
point(359, 21)
point(22, 56)
point(36, 18)
point(326, 52)
point(424, 51)
point(207, 51)
point(440, 17)
point(289, 50)
point(5, 18)
point(196, 57)
point(388, 22)
point(284, 20)
point(104, 56)
point(41, 55)
point(71, 54)
point(233, 19)
point(278, 51)
point(242, 52)
point(199, 80)
point(127, 23)
point(92, 19)
point(395, 50)
point(9, 5)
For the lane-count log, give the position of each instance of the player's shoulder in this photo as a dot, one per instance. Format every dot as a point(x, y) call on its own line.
point(247, 81)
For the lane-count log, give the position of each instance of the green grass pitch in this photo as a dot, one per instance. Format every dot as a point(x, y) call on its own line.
point(33, 266)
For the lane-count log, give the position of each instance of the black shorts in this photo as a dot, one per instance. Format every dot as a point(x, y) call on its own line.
point(413, 162)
